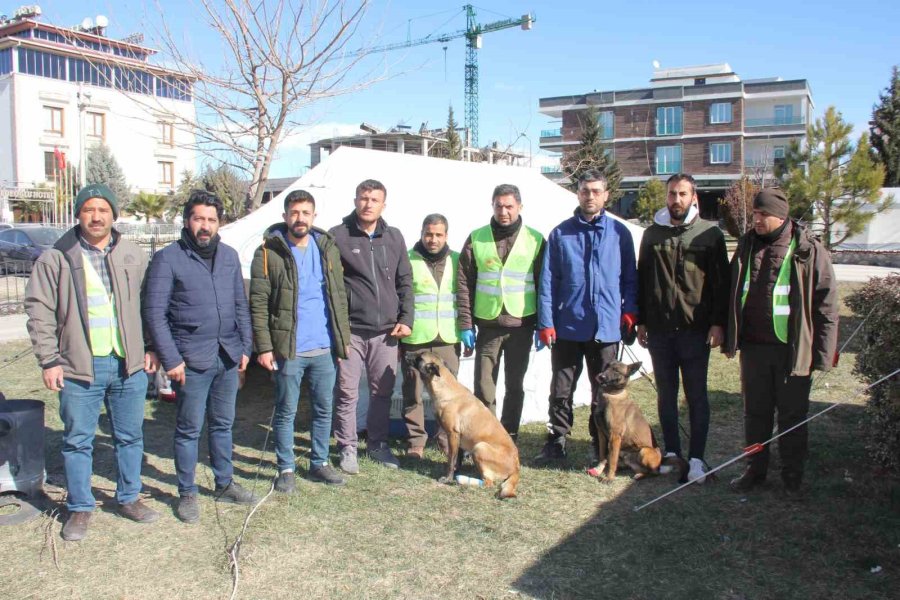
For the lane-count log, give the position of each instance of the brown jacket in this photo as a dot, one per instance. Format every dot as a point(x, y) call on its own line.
point(813, 322)
point(467, 274)
point(56, 303)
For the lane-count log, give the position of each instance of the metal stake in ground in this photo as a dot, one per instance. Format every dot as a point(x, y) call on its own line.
point(754, 448)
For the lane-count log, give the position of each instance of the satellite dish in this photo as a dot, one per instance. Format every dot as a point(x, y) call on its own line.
point(655, 64)
point(101, 21)
point(87, 23)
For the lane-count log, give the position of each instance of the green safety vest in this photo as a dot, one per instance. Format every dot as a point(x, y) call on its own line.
point(509, 285)
point(781, 306)
point(435, 306)
point(103, 322)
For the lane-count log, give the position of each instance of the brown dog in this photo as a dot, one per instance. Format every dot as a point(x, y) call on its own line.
point(624, 432)
point(470, 426)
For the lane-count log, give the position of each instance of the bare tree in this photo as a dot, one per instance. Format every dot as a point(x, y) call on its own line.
point(280, 57)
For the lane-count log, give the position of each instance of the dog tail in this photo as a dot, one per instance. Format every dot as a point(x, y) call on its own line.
point(508, 487)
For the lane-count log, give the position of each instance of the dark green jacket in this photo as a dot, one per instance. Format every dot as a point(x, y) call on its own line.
point(273, 293)
point(683, 277)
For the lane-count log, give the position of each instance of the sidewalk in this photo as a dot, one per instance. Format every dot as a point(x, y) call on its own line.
point(861, 273)
point(12, 327)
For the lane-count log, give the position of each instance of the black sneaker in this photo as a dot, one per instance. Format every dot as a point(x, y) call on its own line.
point(551, 451)
point(285, 483)
point(325, 474)
point(188, 509)
point(233, 493)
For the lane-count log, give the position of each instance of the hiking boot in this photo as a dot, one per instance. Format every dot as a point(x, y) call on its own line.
point(285, 483)
point(551, 451)
point(349, 464)
point(325, 474)
point(233, 493)
point(382, 454)
point(417, 453)
point(138, 512)
point(76, 526)
point(747, 481)
point(188, 509)
point(697, 471)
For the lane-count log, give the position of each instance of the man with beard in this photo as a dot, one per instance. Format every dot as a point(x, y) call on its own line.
point(682, 304)
point(298, 306)
point(198, 319)
point(499, 267)
point(434, 328)
point(588, 292)
point(783, 316)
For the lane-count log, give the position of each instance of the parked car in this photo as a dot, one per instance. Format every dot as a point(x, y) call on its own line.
point(21, 246)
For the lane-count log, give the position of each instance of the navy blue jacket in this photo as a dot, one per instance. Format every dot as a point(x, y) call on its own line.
point(588, 280)
point(191, 311)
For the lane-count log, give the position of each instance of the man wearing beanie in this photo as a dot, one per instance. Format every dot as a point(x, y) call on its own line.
point(84, 321)
point(198, 317)
point(434, 327)
point(783, 317)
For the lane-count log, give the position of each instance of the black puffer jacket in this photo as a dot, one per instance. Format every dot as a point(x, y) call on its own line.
point(377, 275)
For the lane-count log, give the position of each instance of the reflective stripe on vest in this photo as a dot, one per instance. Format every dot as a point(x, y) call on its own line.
point(781, 305)
point(509, 285)
point(435, 306)
point(103, 322)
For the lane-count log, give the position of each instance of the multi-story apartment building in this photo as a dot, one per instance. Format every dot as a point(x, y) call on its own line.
point(701, 120)
point(66, 90)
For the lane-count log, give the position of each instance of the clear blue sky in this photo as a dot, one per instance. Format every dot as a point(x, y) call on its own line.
point(845, 50)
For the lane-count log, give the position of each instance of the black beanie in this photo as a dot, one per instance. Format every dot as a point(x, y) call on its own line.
point(771, 201)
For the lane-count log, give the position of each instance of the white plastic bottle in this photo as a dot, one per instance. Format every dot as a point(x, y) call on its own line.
point(466, 480)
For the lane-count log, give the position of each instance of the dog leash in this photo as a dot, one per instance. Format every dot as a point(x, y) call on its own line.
point(758, 447)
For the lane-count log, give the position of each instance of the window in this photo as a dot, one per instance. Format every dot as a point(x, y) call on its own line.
point(90, 72)
point(720, 112)
point(6, 65)
point(95, 127)
point(134, 80)
point(784, 114)
point(778, 152)
point(49, 166)
point(607, 120)
point(166, 173)
point(53, 120)
point(720, 153)
point(43, 64)
point(700, 81)
point(668, 120)
point(166, 134)
point(173, 87)
point(668, 160)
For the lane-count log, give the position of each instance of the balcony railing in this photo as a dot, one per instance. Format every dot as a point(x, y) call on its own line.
point(550, 170)
point(774, 121)
point(545, 133)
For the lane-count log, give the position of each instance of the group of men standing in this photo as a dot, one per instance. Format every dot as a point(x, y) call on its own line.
point(326, 307)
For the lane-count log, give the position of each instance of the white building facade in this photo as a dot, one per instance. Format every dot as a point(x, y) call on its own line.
point(63, 91)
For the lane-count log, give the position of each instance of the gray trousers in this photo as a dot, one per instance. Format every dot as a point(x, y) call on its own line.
point(413, 408)
point(378, 354)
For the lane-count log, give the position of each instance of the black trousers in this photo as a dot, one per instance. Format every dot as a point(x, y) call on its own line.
point(567, 359)
point(767, 390)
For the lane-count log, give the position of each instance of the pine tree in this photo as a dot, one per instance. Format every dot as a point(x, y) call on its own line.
point(651, 197)
point(885, 130)
point(100, 166)
point(833, 184)
point(592, 155)
point(224, 182)
point(454, 143)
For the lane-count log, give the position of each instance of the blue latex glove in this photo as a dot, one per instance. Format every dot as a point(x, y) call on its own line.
point(468, 338)
point(538, 344)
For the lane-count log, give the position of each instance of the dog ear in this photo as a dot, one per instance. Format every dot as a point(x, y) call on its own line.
point(432, 369)
point(633, 368)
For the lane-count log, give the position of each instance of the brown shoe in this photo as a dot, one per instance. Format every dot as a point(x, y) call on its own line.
point(138, 512)
point(747, 481)
point(418, 453)
point(76, 526)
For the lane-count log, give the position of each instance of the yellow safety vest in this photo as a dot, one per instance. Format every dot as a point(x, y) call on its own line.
point(781, 304)
point(435, 305)
point(103, 319)
point(509, 285)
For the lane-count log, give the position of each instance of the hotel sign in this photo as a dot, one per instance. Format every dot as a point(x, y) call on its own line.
point(27, 194)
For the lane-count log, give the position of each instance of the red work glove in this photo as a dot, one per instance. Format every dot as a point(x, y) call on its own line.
point(629, 320)
point(547, 336)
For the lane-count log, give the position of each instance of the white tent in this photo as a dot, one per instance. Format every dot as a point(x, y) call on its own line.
point(883, 232)
point(417, 186)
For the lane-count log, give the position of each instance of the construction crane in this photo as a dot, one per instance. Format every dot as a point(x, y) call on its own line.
point(472, 33)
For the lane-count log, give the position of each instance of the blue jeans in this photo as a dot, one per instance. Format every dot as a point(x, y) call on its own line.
point(685, 351)
point(321, 372)
point(79, 409)
point(210, 393)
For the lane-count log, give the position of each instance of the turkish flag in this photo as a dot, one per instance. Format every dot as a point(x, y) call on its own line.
point(60, 159)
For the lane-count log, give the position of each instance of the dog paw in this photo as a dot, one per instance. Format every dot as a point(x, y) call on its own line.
point(606, 480)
